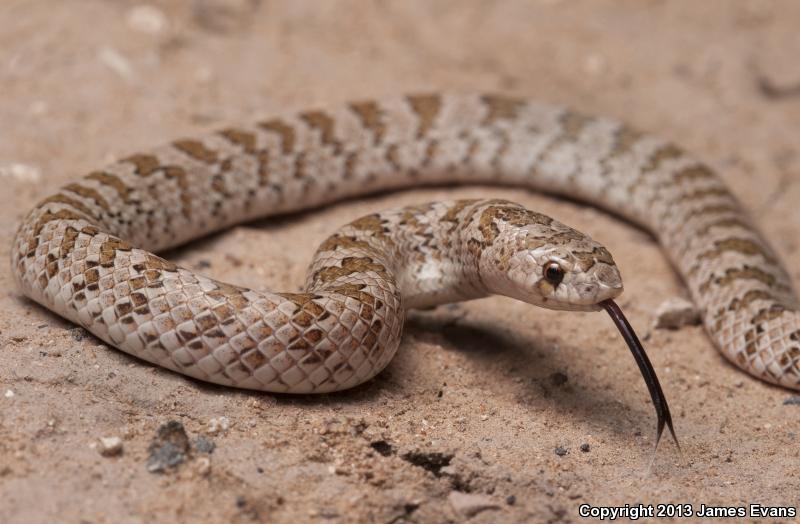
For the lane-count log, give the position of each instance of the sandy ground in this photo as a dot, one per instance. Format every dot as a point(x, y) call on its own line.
point(482, 394)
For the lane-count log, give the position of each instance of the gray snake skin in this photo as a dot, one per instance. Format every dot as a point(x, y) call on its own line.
point(86, 252)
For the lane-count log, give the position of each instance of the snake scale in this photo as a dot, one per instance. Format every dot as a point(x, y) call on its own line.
point(86, 252)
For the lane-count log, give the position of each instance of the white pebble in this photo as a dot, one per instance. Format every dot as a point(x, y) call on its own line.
point(146, 19)
point(21, 172)
point(676, 312)
point(203, 466)
point(38, 108)
point(594, 64)
point(112, 58)
point(9, 393)
point(110, 446)
point(217, 425)
point(469, 504)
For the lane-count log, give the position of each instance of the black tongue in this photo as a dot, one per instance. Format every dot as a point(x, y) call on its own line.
point(646, 368)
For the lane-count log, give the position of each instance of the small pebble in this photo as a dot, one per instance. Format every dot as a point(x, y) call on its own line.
point(470, 504)
point(38, 108)
point(110, 446)
point(792, 401)
point(234, 260)
point(561, 451)
point(449, 471)
point(9, 393)
point(382, 447)
point(675, 312)
point(146, 19)
point(203, 466)
point(585, 448)
point(594, 64)
point(223, 16)
point(328, 513)
point(169, 447)
point(511, 500)
point(204, 445)
point(115, 61)
point(21, 172)
point(218, 425)
point(558, 378)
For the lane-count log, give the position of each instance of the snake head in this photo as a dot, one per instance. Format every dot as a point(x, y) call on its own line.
point(543, 262)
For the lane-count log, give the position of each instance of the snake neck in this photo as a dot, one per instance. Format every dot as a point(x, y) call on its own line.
point(411, 251)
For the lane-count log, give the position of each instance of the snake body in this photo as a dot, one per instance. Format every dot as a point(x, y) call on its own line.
point(86, 252)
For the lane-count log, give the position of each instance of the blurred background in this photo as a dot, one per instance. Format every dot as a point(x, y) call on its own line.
point(481, 397)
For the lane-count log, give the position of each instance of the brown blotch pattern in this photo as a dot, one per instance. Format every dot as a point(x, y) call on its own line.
point(144, 165)
point(197, 150)
point(737, 245)
point(733, 274)
point(427, 108)
point(349, 266)
point(740, 303)
point(244, 139)
point(109, 248)
point(664, 153)
point(89, 193)
point(501, 108)
point(371, 117)
point(510, 214)
point(63, 199)
point(336, 242)
point(112, 181)
point(285, 131)
point(326, 125)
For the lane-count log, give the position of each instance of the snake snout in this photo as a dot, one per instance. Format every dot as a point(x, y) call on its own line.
point(609, 282)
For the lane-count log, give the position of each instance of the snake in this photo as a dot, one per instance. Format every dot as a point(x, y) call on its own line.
point(87, 252)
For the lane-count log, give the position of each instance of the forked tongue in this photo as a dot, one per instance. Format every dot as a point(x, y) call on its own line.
point(646, 368)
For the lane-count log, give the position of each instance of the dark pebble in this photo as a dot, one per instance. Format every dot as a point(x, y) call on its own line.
point(327, 513)
point(585, 448)
point(78, 334)
point(558, 378)
point(382, 447)
point(169, 448)
point(561, 451)
point(511, 500)
point(204, 445)
point(792, 401)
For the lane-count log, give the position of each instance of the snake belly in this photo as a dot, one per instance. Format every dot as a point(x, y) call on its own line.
point(87, 251)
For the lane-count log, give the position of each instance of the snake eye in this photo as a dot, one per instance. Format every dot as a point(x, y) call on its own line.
point(553, 273)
